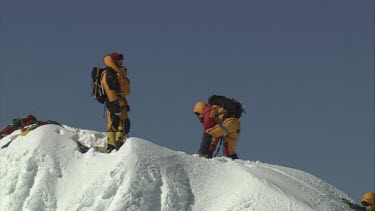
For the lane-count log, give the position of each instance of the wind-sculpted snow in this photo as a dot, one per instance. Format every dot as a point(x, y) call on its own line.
point(44, 171)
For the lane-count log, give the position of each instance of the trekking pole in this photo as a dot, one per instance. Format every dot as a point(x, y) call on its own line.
point(97, 74)
point(11, 139)
point(218, 149)
point(104, 113)
point(123, 123)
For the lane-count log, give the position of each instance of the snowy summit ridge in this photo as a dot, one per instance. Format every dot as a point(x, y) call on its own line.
point(45, 171)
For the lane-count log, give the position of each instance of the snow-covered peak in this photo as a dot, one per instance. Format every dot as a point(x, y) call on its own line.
point(44, 171)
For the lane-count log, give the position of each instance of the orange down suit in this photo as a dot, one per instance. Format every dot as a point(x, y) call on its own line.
point(117, 87)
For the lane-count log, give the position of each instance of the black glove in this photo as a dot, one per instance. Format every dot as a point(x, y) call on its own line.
point(355, 207)
point(114, 107)
point(127, 107)
point(205, 144)
point(126, 126)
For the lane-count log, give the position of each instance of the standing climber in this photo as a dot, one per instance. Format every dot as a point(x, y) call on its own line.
point(116, 86)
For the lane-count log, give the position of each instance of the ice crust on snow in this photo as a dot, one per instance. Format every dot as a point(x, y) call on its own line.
point(45, 171)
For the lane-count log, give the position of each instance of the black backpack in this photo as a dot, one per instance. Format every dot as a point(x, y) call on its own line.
point(97, 91)
point(233, 107)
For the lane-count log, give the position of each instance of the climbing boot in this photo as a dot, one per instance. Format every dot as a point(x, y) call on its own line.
point(234, 156)
point(120, 139)
point(203, 155)
point(111, 138)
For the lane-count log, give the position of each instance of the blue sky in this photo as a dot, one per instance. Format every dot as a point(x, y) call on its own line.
point(304, 69)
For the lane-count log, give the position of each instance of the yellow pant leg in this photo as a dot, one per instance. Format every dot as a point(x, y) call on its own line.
point(231, 145)
point(216, 131)
point(232, 125)
point(229, 126)
point(119, 140)
point(111, 138)
point(214, 142)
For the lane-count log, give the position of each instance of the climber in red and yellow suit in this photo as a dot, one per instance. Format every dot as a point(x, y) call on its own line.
point(216, 124)
point(117, 87)
point(368, 202)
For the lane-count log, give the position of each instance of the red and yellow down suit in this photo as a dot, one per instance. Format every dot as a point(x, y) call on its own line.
point(216, 124)
point(117, 87)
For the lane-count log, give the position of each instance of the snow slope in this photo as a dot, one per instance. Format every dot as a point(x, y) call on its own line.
point(44, 171)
